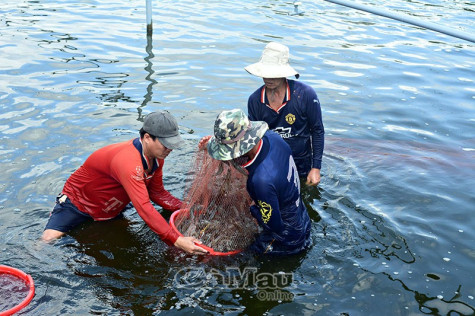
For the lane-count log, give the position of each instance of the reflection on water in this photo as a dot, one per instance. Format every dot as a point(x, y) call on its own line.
point(392, 225)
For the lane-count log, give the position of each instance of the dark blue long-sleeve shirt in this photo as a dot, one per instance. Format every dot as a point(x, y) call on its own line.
point(274, 185)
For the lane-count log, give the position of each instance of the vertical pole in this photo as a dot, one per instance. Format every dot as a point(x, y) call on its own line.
point(149, 17)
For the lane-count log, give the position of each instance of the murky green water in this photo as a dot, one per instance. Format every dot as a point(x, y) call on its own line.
point(392, 219)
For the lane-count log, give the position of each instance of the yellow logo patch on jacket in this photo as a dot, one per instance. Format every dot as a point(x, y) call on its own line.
point(290, 118)
point(266, 211)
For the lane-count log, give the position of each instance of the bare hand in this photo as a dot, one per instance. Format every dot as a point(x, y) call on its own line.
point(313, 177)
point(188, 244)
point(203, 142)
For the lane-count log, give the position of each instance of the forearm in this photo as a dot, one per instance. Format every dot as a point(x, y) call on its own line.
point(166, 200)
point(318, 143)
point(317, 130)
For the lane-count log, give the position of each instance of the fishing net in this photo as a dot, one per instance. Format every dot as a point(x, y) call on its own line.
point(216, 207)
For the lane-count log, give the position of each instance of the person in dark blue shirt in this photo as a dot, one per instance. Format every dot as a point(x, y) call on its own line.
point(273, 182)
point(290, 108)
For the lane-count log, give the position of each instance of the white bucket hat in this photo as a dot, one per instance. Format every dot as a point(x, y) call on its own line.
point(274, 63)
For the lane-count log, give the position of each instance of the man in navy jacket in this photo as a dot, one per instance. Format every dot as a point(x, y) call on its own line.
point(290, 108)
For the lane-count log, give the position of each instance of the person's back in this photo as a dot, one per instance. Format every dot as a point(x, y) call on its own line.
point(274, 183)
point(105, 184)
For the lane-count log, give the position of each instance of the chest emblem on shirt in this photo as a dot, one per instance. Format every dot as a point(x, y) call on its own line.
point(266, 211)
point(139, 174)
point(290, 118)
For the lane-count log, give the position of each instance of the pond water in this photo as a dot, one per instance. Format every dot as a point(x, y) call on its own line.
point(392, 218)
point(13, 291)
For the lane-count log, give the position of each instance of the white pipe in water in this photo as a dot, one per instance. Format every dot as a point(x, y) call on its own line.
point(407, 19)
point(149, 13)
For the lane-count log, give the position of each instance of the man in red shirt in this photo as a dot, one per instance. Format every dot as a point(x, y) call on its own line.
point(117, 174)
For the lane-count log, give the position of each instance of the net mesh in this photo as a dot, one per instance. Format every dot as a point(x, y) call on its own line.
point(216, 206)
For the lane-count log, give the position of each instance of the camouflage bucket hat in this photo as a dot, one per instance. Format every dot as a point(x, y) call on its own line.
point(234, 135)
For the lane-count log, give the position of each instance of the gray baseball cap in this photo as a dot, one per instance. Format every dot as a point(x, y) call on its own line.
point(163, 125)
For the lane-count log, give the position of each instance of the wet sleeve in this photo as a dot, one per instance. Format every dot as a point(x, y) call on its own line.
point(266, 210)
point(317, 131)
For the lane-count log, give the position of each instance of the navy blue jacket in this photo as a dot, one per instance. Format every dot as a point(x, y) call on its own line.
point(298, 121)
point(274, 185)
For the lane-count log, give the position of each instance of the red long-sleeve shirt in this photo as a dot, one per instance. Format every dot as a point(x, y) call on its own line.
point(115, 175)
